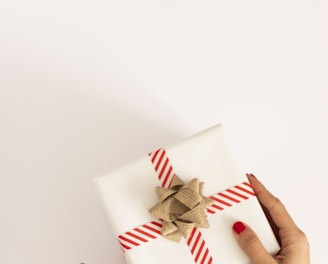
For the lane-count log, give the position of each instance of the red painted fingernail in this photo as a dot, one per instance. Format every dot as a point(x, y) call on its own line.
point(238, 227)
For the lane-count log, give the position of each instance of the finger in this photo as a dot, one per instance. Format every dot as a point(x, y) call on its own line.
point(252, 246)
point(274, 206)
point(273, 225)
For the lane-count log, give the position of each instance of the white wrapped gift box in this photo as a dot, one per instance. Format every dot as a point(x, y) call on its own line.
point(129, 192)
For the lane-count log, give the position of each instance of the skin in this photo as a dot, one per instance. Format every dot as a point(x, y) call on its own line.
point(294, 244)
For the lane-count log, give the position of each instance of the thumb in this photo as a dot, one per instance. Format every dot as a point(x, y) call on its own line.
point(250, 243)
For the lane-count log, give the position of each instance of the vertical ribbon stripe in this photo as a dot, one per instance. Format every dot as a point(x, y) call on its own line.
point(162, 167)
point(197, 245)
point(165, 175)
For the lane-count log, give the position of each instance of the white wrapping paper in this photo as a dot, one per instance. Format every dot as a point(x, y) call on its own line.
point(129, 192)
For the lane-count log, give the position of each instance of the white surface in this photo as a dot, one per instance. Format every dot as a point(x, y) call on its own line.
point(204, 156)
point(88, 85)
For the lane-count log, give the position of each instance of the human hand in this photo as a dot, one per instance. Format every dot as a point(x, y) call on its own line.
point(294, 244)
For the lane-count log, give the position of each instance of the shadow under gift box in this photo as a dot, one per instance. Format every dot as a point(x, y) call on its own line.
point(129, 192)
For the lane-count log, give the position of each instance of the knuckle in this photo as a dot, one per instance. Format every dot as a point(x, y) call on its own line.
point(276, 201)
point(254, 249)
point(251, 243)
point(302, 237)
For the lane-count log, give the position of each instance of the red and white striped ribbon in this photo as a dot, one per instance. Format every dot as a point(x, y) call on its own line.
point(195, 242)
point(162, 167)
point(198, 248)
point(165, 175)
point(140, 235)
point(230, 197)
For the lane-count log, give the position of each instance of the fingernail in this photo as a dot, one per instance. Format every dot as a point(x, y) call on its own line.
point(238, 227)
point(250, 175)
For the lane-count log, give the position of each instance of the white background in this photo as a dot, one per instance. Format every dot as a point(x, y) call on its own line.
point(88, 85)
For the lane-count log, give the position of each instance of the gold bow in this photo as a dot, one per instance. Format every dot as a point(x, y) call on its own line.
point(181, 207)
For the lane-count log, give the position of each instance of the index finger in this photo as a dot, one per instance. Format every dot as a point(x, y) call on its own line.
point(274, 206)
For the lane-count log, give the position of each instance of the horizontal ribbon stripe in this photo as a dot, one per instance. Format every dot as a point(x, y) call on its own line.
point(230, 197)
point(195, 241)
point(145, 233)
point(245, 190)
point(238, 194)
point(140, 235)
point(153, 229)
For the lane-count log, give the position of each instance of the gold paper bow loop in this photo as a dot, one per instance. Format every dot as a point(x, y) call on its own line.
point(182, 207)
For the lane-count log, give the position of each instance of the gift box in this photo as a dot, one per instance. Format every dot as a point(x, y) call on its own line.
point(199, 177)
